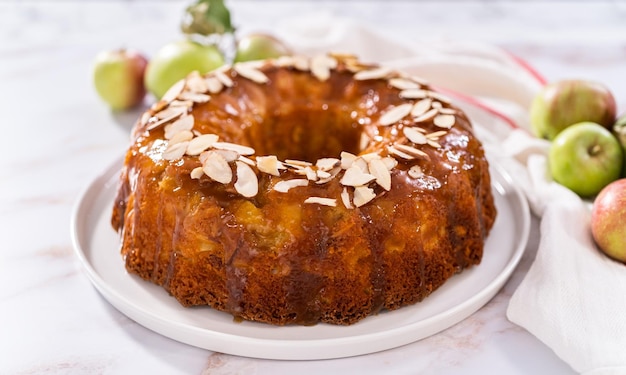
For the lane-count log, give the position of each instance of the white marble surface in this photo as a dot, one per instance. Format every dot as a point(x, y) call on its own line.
point(57, 136)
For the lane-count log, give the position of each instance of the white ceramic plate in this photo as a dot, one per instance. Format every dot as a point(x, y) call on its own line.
point(97, 246)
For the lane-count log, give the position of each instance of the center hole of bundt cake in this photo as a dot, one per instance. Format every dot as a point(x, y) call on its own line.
point(309, 134)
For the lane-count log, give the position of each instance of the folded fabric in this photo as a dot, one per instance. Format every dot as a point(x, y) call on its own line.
point(572, 297)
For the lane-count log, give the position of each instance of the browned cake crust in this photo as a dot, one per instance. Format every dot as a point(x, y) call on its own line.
point(382, 230)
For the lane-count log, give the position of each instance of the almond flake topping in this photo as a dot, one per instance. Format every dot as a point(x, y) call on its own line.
point(196, 173)
point(444, 121)
point(354, 176)
point(223, 78)
point(322, 201)
point(216, 167)
point(196, 83)
point(173, 92)
point(194, 97)
point(415, 171)
point(247, 183)
point(426, 116)
point(412, 151)
point(286, 185)
point(404, 83)
point(250, 72)
point(243, 150)
point(436, 135)
point(201, 143)
point(414, 136)
point(301, 63)
point(395, 114)
point(347, 159)
point(183, 123)
point(326, 164)
point(345, 198)
point(438, 96)
point(321, 66)
point(376, 73)
point(182, 136)
point(175, 151)
point(447, 111)
point(362, 195)
point(420, 107)
point(214, 85)
point(297, 163)
point(394, 151)
point(389, 162)
point(379, 170)
point(413, 94)
point(171, 111)
point(269, 164)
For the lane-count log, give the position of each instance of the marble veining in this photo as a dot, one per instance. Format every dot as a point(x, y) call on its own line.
point(57, 137)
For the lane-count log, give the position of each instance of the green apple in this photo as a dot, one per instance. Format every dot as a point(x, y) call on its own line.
point(619, 130)
point(567, 102)
point(174, 61)
point(260, 47)
point(608, 220)
point(585, 157)
point(118, 77)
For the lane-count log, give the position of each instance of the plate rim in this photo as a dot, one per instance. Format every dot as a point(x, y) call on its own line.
point(308, 349)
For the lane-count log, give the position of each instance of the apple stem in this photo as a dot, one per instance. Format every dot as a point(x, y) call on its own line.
point(595, 150)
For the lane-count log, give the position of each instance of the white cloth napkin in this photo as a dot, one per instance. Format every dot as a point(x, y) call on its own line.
point(573, 298)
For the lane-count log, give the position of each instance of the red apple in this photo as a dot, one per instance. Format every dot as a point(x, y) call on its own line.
point(564, 103)
point(118, 77)
point(608, 220)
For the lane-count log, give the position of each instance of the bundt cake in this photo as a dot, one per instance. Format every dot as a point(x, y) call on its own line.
point(303, 190)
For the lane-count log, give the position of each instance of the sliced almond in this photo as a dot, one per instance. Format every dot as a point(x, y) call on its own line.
point(361, 164)
point(250, 72)
point(216, 167)
point(412, 151)
point(331, 175)
point(196, 83)
point(242, 150)
point(159, 106)
point(201, 143)
point(347, 159)
point(247, 183)
point(394, 151)
point(308, 172)
point(321, 66)
point(364, 141)
point(286, 185)
point(228, 155)
point(363, 195)
point(322, 201)
point(194, 97)
point(196, 173)
point(444, 121)
point(223, 78)
point(284, 61)
point(415, 171)
point(395, 114)
point(173, 92)
point(414, 136)
point(269, 164)
point(182, 136)
point(389, 162)
point(413, 94)
point(436, 135)
point(175, 151)
point(379, 170)
point(326, 164)
point(185, 104)
point(376, 73)
point(447, 111)
point(440, 97)
point(421, 106)
point(345, 198)
point(426, 116)
point(298, 163)
point(301, 63)
point(171, 111)
point(145, 117)
point(183, 123)
point(370, 156)
point(434, 144)
point(354, 176)
point(214, 85)
point(403, 83)
point(437, 105)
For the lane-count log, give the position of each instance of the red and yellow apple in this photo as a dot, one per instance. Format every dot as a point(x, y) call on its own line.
point(585, 157)
point(118, 77)
point(564, 103)
point(608, 220)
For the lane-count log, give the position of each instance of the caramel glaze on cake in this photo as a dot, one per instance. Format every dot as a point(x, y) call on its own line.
point(392, 196)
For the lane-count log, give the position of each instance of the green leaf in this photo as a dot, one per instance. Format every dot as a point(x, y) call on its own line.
point(206, 17)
